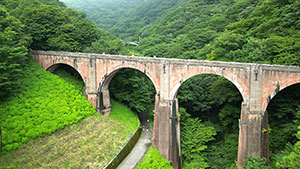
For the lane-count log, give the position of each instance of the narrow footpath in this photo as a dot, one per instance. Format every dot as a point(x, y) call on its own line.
point(138, 152)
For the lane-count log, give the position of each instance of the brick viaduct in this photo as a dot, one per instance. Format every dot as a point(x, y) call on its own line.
point(257, 83)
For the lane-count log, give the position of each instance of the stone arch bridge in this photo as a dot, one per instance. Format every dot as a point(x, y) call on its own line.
point(257, 83)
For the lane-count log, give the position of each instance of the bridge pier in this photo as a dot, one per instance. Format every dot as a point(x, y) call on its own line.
point(253, 135)
point(243, 136)
point(166, 136)
point(103, 102)
point(92, 98)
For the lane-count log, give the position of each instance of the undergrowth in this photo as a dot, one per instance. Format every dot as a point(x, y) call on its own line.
point(46, 103)
point(43, 104)
point(91, 143)
point(153, 159)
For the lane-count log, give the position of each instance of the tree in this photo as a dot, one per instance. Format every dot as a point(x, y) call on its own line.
point(194, 138)
point(107, 44)
point(134, 89)
point(13, 51)
point(42, 24)
point(195, 97)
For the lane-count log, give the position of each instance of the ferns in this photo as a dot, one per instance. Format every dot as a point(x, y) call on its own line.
point(43, 104)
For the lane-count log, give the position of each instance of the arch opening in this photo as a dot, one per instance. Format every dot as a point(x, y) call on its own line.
point(69, 74)
point(210, 106)
point(133, 88)
point(283, 112)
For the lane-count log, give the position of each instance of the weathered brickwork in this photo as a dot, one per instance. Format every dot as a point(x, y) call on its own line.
point(257, 83)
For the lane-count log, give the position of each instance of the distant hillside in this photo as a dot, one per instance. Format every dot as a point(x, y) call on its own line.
point(123, 18)
point(261, 31)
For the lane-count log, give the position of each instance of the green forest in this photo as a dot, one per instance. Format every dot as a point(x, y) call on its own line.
point(255, 31)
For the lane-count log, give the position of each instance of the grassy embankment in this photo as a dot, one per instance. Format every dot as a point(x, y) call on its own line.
point(153, 159)
point(46, 104)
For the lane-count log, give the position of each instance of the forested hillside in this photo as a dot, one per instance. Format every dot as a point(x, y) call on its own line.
point(45, 25)
point(257, 31)
point(260, 31)
point(30, 110)
point(124, 18)
point(35, 104)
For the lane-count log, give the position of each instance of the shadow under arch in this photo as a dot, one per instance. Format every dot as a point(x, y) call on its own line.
point(58, 66)
point(282, 120)
point(103, 101)
point(104, 84)
point(237, 104)
point(178, 85)
point(69, 69)
point(176, 89)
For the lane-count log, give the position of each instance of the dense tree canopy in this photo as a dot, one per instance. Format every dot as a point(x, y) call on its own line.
point(13, 52)
point(124, 18)
point(45, 25)
point(259, 31)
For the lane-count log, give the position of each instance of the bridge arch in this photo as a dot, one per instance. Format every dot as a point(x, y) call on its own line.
point(54, 67)
point(277, 85)
point(234, 81)
point(215, 109)
point(103, 101)
point(104, 83)
point(281, 115)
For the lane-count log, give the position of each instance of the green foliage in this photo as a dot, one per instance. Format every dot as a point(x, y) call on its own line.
point(42, 23)
point(194, 138)
point(134, 89)
point(193, 95)
point(45, 25)
point(77, 82)
point(185, 29)
point(57, 3)
point(153, 160)
point(270, 27)
point(107, 44)
point(123, 18)
point(122, 113)
point(290, 158)
point(222, 153)
point(284, 118)
point(12, 51)
point(216, 101)
point(91, 143)
point(40, 106)
point(52, 26)
point(255, 163)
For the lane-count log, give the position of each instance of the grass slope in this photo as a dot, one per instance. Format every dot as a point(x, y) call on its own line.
point(77, 82)
point(153, 159)
point(43, 104)
point(46, 103)
point(90, 143)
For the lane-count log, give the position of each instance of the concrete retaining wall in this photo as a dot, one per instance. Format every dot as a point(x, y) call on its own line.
point(114, 163)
